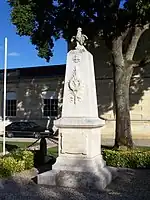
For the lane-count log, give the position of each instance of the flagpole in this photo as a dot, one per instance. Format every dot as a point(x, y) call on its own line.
point(4, 100)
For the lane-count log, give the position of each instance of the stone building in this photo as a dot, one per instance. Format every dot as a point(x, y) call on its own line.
point(35, 93)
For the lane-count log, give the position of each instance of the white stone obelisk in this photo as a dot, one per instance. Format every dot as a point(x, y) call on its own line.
point(80, 163)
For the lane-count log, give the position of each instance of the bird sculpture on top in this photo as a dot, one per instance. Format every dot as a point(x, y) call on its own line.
point(79, 39)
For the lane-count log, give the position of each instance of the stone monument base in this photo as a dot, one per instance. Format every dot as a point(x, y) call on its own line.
point(78, 173)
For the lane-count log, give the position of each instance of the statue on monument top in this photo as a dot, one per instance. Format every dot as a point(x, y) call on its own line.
point(79, 39)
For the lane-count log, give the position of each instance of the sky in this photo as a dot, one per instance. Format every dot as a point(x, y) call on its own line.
point(21, 53)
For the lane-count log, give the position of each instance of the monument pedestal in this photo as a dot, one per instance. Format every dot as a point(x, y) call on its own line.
point(80, 163)
point(85, 174)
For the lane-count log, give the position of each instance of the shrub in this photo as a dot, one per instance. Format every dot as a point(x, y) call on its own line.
point(9, 166)
point(25, 155)
point(16, 162)
point(28, 157)
point(128, 159)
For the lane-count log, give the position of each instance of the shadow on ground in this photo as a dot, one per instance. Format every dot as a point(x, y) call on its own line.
point(131, 184)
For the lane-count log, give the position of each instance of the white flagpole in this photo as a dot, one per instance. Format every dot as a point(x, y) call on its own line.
point(4, 100)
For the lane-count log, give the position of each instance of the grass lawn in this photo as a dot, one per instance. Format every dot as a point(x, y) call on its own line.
point(142, 148)
point(136, 148)
point(53, 151)
point(19, 144)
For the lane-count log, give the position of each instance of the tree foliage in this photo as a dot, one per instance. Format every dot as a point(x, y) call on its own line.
point(120, 23)
point(45, 21)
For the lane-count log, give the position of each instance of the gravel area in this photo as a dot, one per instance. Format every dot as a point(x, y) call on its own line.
point(130, 185)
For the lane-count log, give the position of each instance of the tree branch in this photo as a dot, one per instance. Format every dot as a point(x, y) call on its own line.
point(142, 63)
point(125, 34)
point(138, 31)
point(117, 51)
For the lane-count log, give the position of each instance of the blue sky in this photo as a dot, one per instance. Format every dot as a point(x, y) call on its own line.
point(21, 53)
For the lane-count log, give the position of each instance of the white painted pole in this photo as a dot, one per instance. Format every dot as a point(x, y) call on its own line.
point(4, 100)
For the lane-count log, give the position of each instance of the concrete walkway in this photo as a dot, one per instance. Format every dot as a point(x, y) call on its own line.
point(130, 185)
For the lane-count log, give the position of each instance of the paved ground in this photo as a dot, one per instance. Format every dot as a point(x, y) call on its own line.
point(130, 185)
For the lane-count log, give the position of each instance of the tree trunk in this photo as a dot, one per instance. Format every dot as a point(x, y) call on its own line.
point(122, 77)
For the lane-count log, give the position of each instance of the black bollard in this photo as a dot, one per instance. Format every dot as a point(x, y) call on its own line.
point(43, 149)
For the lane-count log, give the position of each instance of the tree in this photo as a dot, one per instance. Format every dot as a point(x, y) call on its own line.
point(120, 23)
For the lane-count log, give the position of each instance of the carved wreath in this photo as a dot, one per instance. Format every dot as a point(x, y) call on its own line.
point(74, 85)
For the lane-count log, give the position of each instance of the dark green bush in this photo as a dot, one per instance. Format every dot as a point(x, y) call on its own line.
point(16, 162)
point(127, 158)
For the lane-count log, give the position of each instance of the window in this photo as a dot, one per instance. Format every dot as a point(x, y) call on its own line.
point(11, 104)
point(50, 107)
point(50, 103)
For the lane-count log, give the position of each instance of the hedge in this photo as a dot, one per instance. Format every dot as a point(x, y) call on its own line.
point(23, 159)
point(139, 157)
point(127, 158)
point(16, 162)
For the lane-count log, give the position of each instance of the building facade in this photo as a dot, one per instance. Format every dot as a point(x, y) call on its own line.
point(33, 94)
